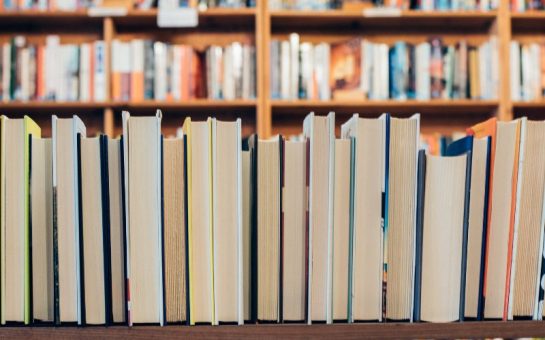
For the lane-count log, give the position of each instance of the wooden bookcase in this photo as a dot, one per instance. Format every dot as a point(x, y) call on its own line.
point(259, 25)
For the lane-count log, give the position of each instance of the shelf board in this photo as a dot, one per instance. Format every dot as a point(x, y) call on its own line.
point(375, 107)
point(409, 19)
point(527, 21)
point(200, 105)
point(531, 109)
point(511, 329)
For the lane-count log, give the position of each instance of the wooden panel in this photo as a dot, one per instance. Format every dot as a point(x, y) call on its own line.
point(335, 20)
point(512, 329)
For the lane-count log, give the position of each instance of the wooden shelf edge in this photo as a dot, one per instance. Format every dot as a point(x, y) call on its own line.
point(417, 14)
point(488, 329)
point(202, 103)
point(384, 103)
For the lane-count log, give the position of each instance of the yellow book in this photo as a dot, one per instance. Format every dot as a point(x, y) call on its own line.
point(15, 163)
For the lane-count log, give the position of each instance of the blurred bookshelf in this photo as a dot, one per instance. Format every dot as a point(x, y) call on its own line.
point(258, 25)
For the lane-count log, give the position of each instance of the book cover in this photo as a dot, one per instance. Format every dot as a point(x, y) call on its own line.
point(345, 69)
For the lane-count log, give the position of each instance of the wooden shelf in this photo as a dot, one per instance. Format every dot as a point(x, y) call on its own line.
point(527, 21)
point(422, 20)
point(210, 18)
point(375, 107)
point(512, 329)
point(194, 103)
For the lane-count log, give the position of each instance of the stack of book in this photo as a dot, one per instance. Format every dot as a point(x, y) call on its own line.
point(206, 227)
point(527, 71)
point(147, 70)
point(52, 71)
point(361, 69)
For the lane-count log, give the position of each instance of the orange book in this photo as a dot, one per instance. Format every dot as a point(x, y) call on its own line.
point(137, 74)
point(116, 85)
point(184, 72)
point(481, 130)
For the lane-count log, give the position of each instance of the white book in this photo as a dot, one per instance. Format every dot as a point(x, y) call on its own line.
point(6, 56)
point(137, 68)
point(321, 134)
point(493, 66)
point(52, 66)
point(85, 72)
point(294, 66)
point(227, 220)
point(143, 192)
point(246, 71)
point(236, 59)
point(100, 85)
point(483, 70)
point(367, 68)
point(526, 73)
point(228, 88)
point(384, 77)
point(65, 185)
point(160, 77)
point(176, 78)
point(369, 143)
point(514, 57)
point(25, 74)
point(285, 70)
point(306, 70)
point(423, 54)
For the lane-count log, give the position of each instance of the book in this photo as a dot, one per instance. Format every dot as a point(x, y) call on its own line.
point(15, 227)
point(117, 226)
point(66, 219)
point(267, 158)
point(443, 228)
point(142, 166)
point(227, 221)
point(95, 230)
point(478, 220)
point(502, 219)
point(342, 209)
point(41, 221)
point(200, 221)
point(368, 186)
point(247, 202)
point(400, 220)
point(294, 234)
point(175, 245)
point(345, 69)
point(528, 233)
point(319, 130)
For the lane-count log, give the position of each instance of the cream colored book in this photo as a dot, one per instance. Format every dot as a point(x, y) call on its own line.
point(227, 220)
point(369, 138)
point(477, 210)
point(174, 230)
point(294, 214)
point(200, 221)
point(246, 221)
point(528, 239)
point(67, 218)
point(341, 229)
point(400, 229)
point(96, 252)
point(41, 194)
point(444, 204)
point(117, 248)
point(268, 227)
point(142, 166)
point(504, 183)
point(15, 247)
point(320, 132)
